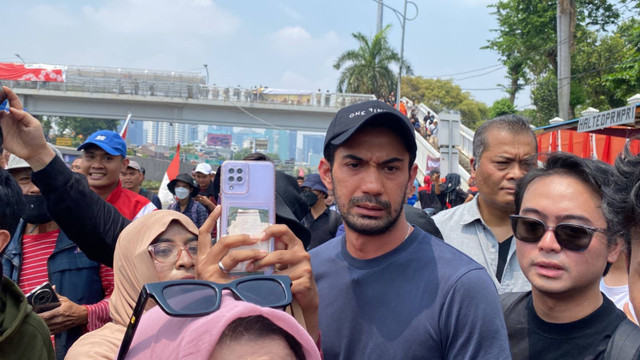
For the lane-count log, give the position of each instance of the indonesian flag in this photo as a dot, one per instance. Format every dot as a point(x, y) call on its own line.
point(31, 72)
point(165, 196)
point(123, 132)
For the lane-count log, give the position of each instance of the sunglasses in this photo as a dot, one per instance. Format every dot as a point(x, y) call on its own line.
point(192, 298)
point(574, 237)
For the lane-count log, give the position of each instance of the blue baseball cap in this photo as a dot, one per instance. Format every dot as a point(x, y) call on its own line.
point(313, 182)
point(109, 141)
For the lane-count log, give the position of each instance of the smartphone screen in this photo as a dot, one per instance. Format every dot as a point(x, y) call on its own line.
point(247, 197)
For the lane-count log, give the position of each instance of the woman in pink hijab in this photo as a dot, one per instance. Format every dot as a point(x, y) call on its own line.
point(237, 330)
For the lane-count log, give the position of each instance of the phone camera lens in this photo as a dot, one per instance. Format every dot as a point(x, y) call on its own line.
point(239, 171)
point(42, 297)
point(239, 178)
point(231, 178)
point(231, 170)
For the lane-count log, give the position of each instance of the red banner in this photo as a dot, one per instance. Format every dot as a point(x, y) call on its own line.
point(33, 72)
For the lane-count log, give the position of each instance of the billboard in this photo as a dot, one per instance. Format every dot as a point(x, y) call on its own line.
point(219, 140)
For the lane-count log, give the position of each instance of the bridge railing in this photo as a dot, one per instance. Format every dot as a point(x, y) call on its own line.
point(186, 85)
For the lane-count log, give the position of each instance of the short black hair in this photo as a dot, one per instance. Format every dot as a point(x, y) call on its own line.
point(513, 124)
point(595, 174)
point(12, 202)
point(621, 204)
point(257, 327)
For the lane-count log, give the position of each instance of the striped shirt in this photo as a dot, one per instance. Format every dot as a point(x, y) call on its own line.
point(36, 250)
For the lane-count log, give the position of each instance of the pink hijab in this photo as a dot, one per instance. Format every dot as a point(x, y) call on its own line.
point(160, 336)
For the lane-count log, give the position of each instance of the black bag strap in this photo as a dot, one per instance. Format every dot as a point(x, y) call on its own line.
point(624, 343)
point(508, 299)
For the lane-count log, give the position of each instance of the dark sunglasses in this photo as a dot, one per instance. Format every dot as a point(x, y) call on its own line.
point(192, 298)
point(574, 237)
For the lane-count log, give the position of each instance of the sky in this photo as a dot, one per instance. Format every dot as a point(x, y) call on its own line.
point(277, 43)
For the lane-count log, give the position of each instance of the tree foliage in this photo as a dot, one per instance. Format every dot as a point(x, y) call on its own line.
point(527, 43)
point(443, 95)
point(366, 70)
point(501, 107)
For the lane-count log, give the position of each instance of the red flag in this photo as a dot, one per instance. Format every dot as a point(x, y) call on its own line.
point(174, 166)
point(172, 172)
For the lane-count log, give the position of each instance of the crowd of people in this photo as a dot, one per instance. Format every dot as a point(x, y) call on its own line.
point(512, 271)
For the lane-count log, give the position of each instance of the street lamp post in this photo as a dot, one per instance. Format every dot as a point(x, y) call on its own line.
point(20, 57)
point(402, 17)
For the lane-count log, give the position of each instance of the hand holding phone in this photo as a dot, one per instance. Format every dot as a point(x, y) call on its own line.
point(43, 298)
point(247, 196)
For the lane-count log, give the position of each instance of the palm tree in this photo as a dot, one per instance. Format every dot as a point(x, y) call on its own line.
point(366, 69)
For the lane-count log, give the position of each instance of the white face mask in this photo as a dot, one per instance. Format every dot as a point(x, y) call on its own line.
point(182, 193)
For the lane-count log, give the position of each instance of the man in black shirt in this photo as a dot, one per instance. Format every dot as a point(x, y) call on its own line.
point(321, 221)
point(563, 249)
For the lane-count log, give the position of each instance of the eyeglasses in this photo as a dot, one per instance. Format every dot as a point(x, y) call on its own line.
point(170, 252)
point(192, 298)
point(574, 237)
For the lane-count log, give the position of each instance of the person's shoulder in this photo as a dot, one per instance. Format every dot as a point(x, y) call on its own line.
point(327, 249)
point(447, 255)
point(453, 214)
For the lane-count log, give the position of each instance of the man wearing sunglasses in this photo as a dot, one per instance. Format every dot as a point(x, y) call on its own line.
point(504, 150)
point(563, 250)
point(387, 289)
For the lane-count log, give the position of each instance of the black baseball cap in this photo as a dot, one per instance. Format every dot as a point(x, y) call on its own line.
point(354, 117)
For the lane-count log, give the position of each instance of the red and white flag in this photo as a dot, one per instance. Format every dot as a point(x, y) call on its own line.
point(165, 196)
point(123, 132)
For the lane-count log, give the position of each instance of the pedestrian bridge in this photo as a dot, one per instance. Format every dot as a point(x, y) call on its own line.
point(180, 97)
point(184, 97)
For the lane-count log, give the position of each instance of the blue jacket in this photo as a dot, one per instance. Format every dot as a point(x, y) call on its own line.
point(73, 274)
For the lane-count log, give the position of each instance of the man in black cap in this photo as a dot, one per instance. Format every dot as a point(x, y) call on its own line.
point(389, 290)
point(321, 222)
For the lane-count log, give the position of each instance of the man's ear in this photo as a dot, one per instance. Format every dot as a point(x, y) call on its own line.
point(324, 169)
point(125, 163)
point(472, 162)
point(5, 237)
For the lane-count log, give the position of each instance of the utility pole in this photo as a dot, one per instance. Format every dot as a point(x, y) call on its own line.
point(379, 27)
point(564, 15)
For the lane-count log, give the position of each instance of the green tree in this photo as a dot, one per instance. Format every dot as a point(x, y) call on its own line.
point(443, 95)
point(502, 106)
point(76, 126)
point(526, 37)
point(366, 70)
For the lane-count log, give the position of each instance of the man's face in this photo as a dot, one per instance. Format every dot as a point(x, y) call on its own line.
point(634, 271)
point(203, 180)
point(131, 178)
point(369, 180)
point(23, 178)
point(506, 159)
point(551, 269)
point(102, 169)
point(76, 165)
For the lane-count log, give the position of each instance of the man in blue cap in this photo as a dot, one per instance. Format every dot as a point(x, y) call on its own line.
point(104, 157)
point(321, 222)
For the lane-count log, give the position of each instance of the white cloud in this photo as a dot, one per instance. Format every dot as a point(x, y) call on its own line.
point(163, 17)
point(291, 12)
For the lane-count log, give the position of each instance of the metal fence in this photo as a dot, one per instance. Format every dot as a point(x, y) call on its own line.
point(185, 85)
